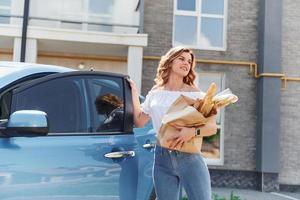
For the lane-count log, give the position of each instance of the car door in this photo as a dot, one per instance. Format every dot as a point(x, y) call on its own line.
point(90, 151)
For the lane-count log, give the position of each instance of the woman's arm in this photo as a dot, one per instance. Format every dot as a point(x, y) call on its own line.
point(139, 117)
point(186, 133)
point(210, 128)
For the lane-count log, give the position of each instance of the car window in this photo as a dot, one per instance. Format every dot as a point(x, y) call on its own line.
point(5, 98)
point(107, 100)
point(5, 101)
point(63, 101)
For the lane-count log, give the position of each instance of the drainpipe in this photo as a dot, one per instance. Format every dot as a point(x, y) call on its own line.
point(269, 94)
point(24, 30)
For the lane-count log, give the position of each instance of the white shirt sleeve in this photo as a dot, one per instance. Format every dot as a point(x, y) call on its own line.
point(145, 106)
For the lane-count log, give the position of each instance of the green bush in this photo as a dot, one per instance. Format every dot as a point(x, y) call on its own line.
point(217, 197)
point(234, 197)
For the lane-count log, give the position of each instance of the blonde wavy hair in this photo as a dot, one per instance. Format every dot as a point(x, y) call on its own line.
point(165, 65)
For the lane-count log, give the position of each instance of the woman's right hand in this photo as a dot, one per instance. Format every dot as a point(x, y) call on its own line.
point(140, 118)
point(132, 85)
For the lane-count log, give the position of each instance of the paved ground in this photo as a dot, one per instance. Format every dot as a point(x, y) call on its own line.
point(255, 195)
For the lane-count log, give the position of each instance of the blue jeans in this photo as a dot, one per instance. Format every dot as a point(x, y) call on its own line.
point(174, 168)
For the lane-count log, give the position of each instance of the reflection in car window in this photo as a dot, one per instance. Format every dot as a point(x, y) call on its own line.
point(108, 104)
point(63, 101)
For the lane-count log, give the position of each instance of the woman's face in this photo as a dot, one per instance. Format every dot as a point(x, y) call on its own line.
point(182, 64)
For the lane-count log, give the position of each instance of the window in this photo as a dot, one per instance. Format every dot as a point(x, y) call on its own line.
point(5, 11)
point(101, 11)
point(107, 103)
point(200, 24)
point(5, 105)
point(62, 99)
point(101, 6)
point(117, 16)
point(69, 25)
point(93, 12)
point(213, 146)
point(72, 14)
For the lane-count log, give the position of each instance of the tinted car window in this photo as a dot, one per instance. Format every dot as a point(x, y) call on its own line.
point(63, 101)
point(106, 96)
point(5, 101)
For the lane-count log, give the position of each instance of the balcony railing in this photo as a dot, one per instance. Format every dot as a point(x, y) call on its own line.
point(116, 16)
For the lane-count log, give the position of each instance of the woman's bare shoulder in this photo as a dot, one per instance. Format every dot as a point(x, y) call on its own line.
point(191, 88)
point(156, 87)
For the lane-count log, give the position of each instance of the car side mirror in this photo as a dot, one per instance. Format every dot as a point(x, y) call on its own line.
point(24, 123)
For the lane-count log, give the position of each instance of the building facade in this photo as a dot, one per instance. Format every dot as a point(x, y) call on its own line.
point(250, 47)
point(81, 33)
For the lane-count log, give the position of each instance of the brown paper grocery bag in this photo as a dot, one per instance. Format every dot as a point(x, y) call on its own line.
point(182, 113)
point(188, 112)
point(192, 146)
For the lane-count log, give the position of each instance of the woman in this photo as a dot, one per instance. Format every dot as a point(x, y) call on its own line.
point(175, 76)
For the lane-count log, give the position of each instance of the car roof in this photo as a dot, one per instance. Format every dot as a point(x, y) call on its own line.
point(12, 71)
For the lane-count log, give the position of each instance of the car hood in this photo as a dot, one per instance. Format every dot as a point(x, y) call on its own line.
point(12, 71)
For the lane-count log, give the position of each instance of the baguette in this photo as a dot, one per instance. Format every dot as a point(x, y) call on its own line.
point(226, 101)
point(198, 104)
point(208, 100)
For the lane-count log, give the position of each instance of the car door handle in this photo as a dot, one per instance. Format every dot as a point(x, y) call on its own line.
point(149, 145)
point(120, 154)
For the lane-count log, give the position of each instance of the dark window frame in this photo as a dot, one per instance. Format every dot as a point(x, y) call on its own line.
point(69, 94)
point(128, 114)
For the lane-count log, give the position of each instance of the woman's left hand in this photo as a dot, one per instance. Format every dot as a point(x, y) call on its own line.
point(183, 135)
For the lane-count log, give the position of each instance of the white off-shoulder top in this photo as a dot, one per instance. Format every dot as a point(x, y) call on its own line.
point(158, 102)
